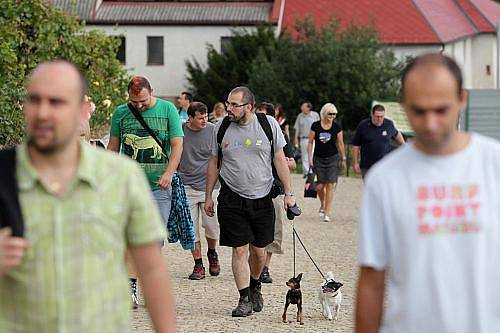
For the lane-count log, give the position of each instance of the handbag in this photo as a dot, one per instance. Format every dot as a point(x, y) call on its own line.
point(310, 190)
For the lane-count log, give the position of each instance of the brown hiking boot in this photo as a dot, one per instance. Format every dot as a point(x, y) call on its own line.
point(214, 267)
point(198, 273)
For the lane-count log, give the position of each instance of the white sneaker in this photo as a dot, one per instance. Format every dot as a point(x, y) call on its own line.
point(326, 218)
point(321, 213)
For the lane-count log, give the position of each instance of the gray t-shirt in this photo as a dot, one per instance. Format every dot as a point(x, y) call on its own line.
point(303, 123)
point(246, 163)
point(196, 151)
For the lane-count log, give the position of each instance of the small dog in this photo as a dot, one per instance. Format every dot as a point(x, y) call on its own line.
point(294, 296)
point(330, 297)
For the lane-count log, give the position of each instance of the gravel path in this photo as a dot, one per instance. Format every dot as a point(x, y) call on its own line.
point(205, 306)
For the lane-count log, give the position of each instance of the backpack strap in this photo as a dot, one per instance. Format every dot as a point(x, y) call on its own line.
point(220, 136)
point(10, 211)
point(264, 123)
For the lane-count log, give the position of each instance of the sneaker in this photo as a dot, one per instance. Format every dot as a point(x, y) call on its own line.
point(133, 295)
point(198, 273)
point(326, 219)
point(214, 267)
point(257, 299)
point(265, 276)
point(243, 309)
point(321, 213)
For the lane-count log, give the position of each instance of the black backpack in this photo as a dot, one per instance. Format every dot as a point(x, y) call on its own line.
point(10, 209)
point(277, 188)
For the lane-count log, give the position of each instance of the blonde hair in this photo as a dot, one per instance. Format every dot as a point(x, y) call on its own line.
point(328, 108)
point(217, 108)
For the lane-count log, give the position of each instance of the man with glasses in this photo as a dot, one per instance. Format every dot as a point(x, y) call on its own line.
point(302, 127)
point(129, 136)
point(373, 137)
point(245, 209)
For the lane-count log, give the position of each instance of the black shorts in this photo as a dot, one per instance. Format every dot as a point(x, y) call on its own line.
point(244, 221)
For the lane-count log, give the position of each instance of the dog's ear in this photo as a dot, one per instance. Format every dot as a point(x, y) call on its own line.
point(299, 277)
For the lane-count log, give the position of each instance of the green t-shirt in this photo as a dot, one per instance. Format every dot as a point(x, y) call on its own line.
point(139, 145)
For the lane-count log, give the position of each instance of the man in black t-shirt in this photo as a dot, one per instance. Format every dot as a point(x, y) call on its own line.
point(373, 137)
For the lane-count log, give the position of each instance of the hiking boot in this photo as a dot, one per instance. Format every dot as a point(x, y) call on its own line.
point(214, 267)
point(198, 273)
point(243, 309)
point(133, 294)
point(256, 297)
point(265, 276)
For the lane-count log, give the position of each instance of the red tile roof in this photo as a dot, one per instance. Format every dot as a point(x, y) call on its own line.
point(400, 21)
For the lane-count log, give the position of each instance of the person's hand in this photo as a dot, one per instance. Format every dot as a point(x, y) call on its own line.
point(12, 250)
point(289, 201)
point(296, 143)
point(344, 165)
point(357, 169)
point(165, 180)
point(311, 164)
point(209, 206)
point(291, 163)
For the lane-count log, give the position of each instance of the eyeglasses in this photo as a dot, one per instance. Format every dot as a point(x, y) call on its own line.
point(233, 105)
point(332, 114)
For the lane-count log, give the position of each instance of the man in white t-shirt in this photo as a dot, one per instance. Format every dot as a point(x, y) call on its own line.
point(430, 218)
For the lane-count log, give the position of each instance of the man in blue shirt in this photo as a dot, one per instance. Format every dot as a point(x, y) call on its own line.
point(184, 100)
point(373, 137)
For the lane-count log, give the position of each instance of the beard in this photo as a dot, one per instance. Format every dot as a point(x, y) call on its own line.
point(50, 147)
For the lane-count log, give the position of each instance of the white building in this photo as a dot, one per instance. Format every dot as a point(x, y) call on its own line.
point(159, 37)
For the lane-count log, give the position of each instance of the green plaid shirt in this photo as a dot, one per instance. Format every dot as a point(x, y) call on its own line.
point(73, 278)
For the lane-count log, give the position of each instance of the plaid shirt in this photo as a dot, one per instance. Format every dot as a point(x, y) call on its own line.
point(73, 277)
point(180, 224)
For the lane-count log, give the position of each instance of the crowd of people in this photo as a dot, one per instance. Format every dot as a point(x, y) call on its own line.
point(429, 215)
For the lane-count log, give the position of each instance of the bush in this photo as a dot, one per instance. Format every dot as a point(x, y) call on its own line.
point(33, 31)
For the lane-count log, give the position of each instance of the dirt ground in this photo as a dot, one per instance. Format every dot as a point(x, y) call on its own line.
point(205, 305)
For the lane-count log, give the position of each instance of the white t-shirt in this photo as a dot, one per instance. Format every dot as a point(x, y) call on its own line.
point(433, 224)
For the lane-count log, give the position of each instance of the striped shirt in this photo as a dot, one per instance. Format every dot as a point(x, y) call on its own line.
point(73, 277)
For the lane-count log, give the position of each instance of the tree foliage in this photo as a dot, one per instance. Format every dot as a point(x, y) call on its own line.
point(348, 67)
point(32, 31)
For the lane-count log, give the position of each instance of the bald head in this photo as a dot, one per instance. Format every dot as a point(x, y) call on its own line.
point(65, 70)
point(55, 108)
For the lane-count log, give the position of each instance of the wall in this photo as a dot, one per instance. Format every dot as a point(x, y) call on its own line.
point(484, 54)
point(180, 44)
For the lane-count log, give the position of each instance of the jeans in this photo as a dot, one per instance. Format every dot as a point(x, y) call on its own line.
point(164, 201)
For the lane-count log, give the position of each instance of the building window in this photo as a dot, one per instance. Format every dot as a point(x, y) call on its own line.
point(155, 50)
point(225, 42)
point(121, 55)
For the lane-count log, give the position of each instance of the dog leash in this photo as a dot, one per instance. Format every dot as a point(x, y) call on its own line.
point(295, 234)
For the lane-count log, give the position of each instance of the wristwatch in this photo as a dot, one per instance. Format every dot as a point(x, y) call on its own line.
point(289, 194)
point(344, 158)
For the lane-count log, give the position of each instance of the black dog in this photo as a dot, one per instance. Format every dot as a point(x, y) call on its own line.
point(294, 296)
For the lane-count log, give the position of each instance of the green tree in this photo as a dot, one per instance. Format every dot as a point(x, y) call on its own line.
point(347, 67)
point(32, 31)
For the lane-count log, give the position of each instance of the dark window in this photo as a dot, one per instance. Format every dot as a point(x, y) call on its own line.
point(155, 50)
point(121, 55)
point(225, 42)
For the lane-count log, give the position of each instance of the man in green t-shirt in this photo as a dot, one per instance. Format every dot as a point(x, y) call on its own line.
point(131, 138)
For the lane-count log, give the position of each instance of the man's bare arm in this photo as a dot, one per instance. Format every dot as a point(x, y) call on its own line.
point(370, 300)
point(212, 175)
point(155, 285)
point(399, 138)
point(114, 143)
point(173, 162)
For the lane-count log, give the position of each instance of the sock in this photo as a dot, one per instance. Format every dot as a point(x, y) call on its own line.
point(133, 280)
point(198, 262)
point(245, 292)
point(254, 283)
point(211, 251)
